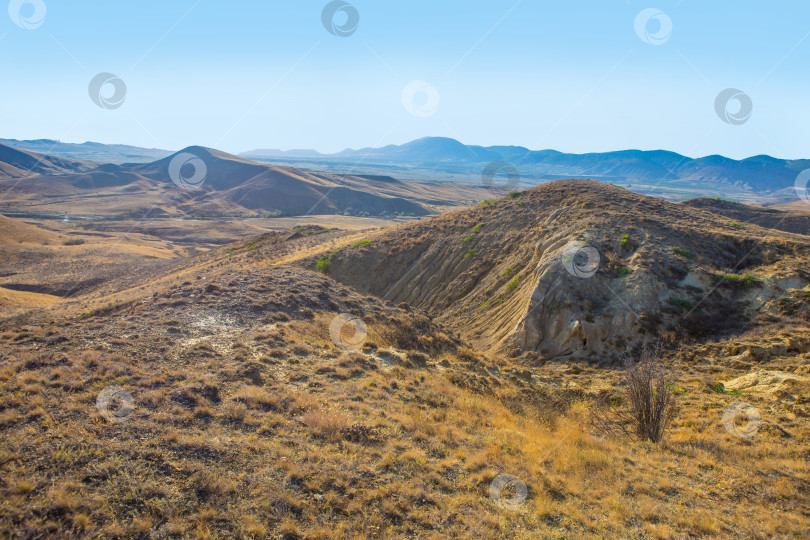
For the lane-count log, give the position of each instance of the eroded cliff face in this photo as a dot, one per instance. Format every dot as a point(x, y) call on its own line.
point(599, 317)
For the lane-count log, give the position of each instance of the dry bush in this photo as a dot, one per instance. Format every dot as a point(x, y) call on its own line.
point(647, 405)
point(648, 395)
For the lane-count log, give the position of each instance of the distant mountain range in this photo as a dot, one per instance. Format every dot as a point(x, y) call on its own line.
point(440, 159)
point(200, 182)
point(758, 174)
point(98, 152)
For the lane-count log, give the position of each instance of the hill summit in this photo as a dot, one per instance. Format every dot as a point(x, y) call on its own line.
point(579, 269)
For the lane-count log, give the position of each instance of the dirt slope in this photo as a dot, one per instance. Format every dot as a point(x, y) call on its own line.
point(796, 221)
point(14, 231)
point(16, 163)
point(638, 268)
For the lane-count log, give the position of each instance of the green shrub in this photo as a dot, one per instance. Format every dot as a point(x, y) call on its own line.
point(624, 271)
point(742, 281)
point(468, 238)
point(680, 251)
point(362, 243)
point(513, 284)
point(685, 305)
point(485, 203)
point(507, 271)
point(482, 306)
point(515, 194)
point(323, 264)
point(736, 225)
point(470, 253)
point(720, 388)
point(625, 239)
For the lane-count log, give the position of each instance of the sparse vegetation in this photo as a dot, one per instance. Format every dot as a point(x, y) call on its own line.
point(515, 194)
point(322, 265)
point(648, 395)
point(251, 422)
point(682, 252)
point(646, 410)
point(681, 303)
point(720, 388)
point(741, 281)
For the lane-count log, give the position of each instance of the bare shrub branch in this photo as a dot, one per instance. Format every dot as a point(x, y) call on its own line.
point(646, 407)
point(649, 397)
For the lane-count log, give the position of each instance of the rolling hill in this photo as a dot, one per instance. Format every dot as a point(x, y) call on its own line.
point(230, 186)
point(757, 179)
point(13, 231)
point(657, 172)
point(89, 151)
point(795, 221)
point(15, 163)
point(579, 269)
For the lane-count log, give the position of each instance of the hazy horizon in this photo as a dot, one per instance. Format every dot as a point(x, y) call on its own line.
point(257, 148)
point(579, 78)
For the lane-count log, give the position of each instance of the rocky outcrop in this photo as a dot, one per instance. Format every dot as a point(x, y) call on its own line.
point(581, 269)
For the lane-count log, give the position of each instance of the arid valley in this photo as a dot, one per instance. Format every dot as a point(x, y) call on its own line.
point(337, 269)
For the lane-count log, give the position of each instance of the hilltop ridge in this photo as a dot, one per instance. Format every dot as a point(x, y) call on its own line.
point(579, 269)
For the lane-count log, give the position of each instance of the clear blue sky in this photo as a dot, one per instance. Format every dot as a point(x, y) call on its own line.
point(573, 76)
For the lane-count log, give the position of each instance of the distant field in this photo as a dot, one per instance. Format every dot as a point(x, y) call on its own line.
point(205, 233)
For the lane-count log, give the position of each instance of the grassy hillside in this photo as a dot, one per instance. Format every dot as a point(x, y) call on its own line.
point(235, 394)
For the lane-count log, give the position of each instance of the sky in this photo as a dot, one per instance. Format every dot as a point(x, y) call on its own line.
point(574, 76)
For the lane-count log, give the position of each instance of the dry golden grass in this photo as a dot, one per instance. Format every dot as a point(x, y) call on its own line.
point(289, 457)
point(249, 422)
